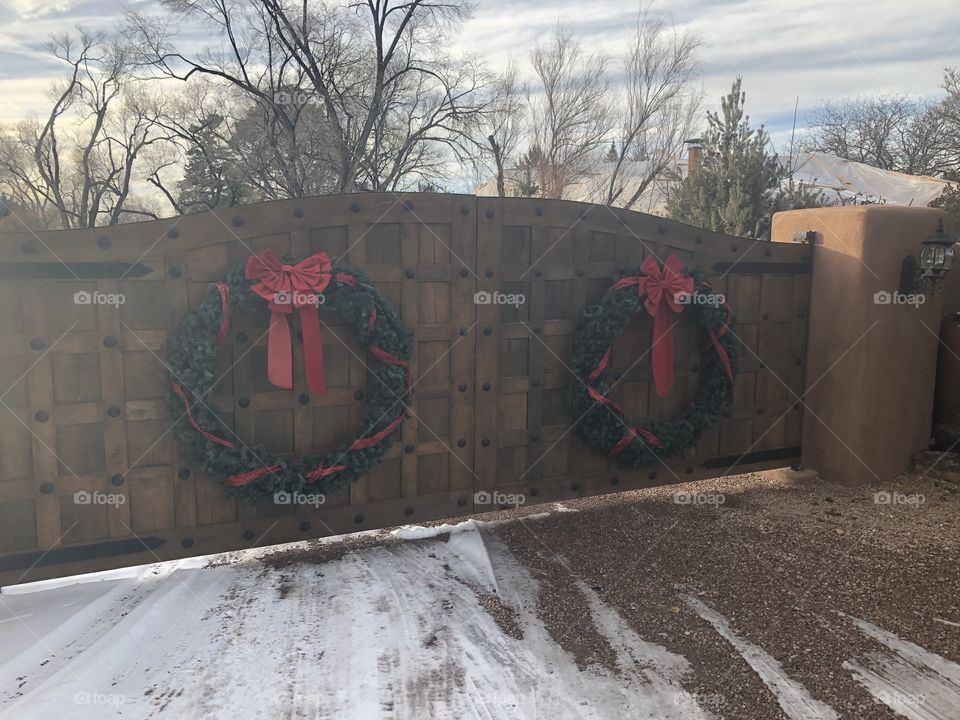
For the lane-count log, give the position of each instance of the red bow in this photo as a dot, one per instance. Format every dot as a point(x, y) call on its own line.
point(662, 288)
point(286, 287)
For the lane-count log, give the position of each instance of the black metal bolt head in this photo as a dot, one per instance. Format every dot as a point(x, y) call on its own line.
point(37, 344)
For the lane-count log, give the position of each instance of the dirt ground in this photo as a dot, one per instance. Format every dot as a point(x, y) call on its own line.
point(781, 558)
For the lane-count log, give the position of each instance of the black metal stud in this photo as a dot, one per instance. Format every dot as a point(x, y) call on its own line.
point(175, 271)
point(173, 233)
point(488, 273)
point(237, 221)
point(42, 416)
point(407, 205)
point(304, 526)
point(461, 442)
point(37, 344)
point(485, 442)
point(110, 341)
point(243, 402)
point(47, 488)
point(461, 502)
point(117, 480)
point(579, 272)
point(183, 473)
point(29, 248)
point(358, 519)
point(689, 470)
point(488, 331)
point(535, 382)
point(248, 535)
point(534, 491)
point(408, 448)
point(103, 242)
point(298, 212)
point(539, 211)
point(534, 438)
point(408, 274)
point(408, 511)
point(303, 398)
point(187, 543)
point(464, 210)
point(614, 481)
point(652, 476)
point(462, 387)
point(113, 411)
point(463, 272)
point(575, 487)
point(489, 213)
point(538, 273)
point(486, 387)
point(734, 247)
point(355, 207)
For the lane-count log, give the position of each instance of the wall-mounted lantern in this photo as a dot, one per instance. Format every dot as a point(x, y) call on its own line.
point(924, 274)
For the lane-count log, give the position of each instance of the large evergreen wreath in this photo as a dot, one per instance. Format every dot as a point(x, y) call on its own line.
point(253, 471)
point(656, 289)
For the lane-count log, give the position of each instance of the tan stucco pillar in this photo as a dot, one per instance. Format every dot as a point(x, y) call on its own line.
point(871, 366)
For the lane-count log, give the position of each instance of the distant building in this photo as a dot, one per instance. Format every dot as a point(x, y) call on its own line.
point(843, 182)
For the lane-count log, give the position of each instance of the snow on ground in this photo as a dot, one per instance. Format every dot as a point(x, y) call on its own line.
point(912, 681)
point(402, 630)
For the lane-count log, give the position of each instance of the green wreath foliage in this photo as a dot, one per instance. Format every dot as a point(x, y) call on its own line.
point(603, 426)
point(193, 366)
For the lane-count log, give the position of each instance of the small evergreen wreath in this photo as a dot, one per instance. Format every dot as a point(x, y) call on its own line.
point(254, 471)
point(602, 422)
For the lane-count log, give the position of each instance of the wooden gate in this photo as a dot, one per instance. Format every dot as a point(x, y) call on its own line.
point(83, 411)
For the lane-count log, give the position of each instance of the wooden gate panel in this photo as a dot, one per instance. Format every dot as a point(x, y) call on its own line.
point(87, 411)
point(562, 255)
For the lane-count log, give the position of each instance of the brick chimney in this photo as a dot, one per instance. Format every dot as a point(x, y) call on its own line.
point(694, 151)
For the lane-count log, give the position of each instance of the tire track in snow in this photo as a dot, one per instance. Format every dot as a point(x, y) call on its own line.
point(910, 680)
point(794, 699)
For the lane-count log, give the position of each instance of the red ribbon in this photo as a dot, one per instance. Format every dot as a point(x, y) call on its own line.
point(286, 287)
point(178, 391)
point(248, 477)
point(224, 291)
point(630, 436)
point(322, 472)
point(715, 336)
point(660, 287)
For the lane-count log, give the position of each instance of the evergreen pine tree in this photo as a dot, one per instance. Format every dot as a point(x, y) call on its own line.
point(209, 180)
point(737, 185)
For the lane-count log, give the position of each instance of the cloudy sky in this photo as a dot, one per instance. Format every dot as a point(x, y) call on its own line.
point(784, 49)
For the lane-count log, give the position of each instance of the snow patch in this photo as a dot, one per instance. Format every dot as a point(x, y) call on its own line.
point(910, 680)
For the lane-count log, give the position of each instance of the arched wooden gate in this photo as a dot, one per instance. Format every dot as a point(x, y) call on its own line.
point(83, 406)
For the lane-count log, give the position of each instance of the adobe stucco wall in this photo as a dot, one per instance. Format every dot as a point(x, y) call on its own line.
point(871, 367)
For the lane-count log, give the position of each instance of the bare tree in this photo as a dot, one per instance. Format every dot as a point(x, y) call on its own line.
point(82, 175)
point(391, 100)
point(891, 133)
point(505, 122)
point(570, 116)
point(656, 112)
